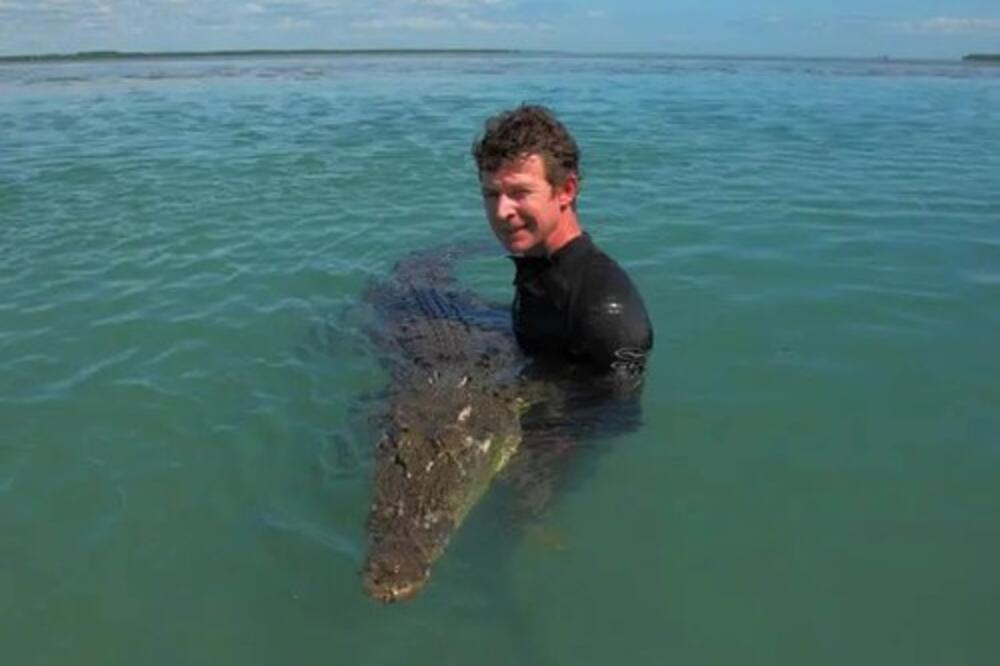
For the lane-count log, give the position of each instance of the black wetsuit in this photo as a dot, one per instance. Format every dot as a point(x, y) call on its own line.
point(580, 318)
point(578, 307)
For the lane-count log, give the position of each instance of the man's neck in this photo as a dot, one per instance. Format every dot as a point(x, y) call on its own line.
point(568, 230)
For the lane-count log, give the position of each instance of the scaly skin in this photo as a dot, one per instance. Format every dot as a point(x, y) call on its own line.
point(441, 451)
point(453, 421)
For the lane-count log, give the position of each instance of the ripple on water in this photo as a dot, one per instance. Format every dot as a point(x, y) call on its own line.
point(185, 368)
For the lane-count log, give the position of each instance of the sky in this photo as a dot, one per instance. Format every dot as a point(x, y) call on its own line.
point(853, 28)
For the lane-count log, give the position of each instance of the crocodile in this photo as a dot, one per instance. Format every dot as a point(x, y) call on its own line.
point(452, 422)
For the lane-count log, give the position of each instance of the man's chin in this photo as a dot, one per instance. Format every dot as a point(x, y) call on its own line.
point(521, 246)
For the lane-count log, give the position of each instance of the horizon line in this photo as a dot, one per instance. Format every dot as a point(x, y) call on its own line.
point(110, 54)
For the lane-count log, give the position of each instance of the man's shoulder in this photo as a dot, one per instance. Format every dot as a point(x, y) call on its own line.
point(610, 318)
point(604, 280)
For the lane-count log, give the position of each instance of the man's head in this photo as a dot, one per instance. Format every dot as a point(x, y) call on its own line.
point(528, 130)
point(529, 171)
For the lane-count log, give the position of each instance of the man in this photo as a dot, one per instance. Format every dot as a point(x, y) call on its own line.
point(572, 304)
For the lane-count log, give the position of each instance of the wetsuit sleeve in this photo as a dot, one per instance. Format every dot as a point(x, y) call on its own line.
point(612, 329)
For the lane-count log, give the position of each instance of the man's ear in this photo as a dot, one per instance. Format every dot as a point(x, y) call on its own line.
point(566, 193)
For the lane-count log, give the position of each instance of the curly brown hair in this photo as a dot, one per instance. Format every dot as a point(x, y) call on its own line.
point(527, 130)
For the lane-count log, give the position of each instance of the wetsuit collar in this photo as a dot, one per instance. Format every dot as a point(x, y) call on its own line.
point(530, 267)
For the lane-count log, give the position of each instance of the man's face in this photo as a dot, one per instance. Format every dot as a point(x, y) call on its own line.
point(523, 208)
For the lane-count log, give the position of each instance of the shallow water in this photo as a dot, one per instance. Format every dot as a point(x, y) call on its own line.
point(184, 457)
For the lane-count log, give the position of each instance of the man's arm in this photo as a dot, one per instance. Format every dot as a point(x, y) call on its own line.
point(596, 395)
point(612, 331)
point(599, 389)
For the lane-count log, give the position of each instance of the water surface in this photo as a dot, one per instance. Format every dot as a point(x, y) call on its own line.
point(184, 458)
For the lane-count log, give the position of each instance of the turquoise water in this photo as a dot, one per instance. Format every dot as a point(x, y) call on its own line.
point(184, 454)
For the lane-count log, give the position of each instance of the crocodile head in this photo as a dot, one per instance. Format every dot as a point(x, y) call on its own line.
point(395, 572)
point(442, 446)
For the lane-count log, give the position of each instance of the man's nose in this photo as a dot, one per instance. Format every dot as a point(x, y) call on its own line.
point(505, 207)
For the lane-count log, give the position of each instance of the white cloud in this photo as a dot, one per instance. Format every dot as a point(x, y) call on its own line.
point(950, 25)
point(66, 25)
point(405, 22)
point(289, 23)
point(462, 20)
point(486, 25)
point(456, 4)
point(596, 13)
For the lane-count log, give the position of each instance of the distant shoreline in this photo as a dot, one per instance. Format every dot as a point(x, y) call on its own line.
point(244, 53)
point(982, 57)
point(110, 55)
